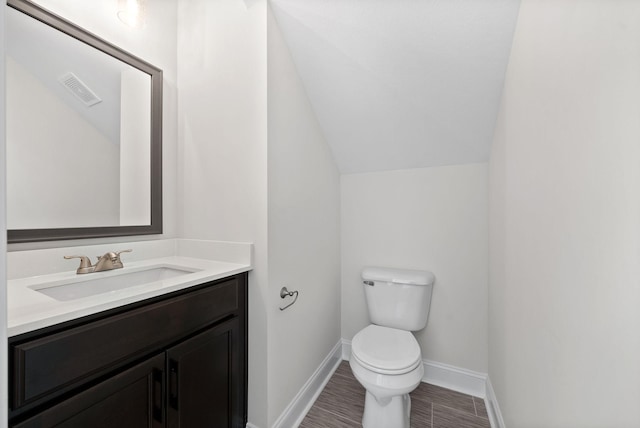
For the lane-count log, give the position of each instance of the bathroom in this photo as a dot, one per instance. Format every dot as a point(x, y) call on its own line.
point(535, 244)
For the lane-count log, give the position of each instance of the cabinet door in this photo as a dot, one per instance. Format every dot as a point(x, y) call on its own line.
point(133, 398)
point(204, 388)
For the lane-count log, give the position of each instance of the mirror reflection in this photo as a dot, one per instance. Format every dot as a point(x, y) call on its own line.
point(80, 134)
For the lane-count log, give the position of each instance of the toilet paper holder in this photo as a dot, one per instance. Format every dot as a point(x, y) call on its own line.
point(284, 293)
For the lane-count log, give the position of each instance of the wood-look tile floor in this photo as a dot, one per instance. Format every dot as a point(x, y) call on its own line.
point(341, 403)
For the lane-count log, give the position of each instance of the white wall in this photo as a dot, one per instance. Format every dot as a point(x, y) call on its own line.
point(222, 73)
point(135, 165)
point(253, 163)
point(45, 161)
point(431, 219)
point(565, 219)
point(304, 231)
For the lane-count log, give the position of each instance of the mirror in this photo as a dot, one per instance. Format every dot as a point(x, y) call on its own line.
point(84, 133)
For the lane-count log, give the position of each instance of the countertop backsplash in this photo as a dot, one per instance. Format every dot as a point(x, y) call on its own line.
point(29, 263)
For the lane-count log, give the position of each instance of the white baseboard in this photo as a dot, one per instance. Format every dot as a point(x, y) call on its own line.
point(444, 375)
point(491, 402)
point(346, 349)
point(455, 378)
point(295, 412)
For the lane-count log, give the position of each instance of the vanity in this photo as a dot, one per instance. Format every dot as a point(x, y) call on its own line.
point(166, 353)
point(158, 342)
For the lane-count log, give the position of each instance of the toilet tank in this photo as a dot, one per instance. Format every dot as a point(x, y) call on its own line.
point(398, 298)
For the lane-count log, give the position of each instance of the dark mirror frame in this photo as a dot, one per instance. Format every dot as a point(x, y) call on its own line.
point(34, 235)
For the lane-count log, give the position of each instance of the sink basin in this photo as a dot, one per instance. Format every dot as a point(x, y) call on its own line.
point(111, 281)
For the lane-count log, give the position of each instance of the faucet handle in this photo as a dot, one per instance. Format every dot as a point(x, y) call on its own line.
point(123, 251)
point(85, 264)
point(116, 258)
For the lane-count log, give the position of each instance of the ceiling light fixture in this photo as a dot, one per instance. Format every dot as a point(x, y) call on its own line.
point(132, 12)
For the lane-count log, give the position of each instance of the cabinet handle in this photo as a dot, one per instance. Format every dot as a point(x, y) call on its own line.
point(157, 395)
point(173, 384)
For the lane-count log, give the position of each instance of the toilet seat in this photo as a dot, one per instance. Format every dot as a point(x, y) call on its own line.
point(386, 350)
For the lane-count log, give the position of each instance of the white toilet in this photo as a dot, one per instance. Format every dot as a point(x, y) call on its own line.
point(385, 356)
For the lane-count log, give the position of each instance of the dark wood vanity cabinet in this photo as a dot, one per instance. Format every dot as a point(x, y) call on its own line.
point(179, 360)
point(132, 398)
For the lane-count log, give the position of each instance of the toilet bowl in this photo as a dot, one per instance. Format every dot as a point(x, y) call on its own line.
point(388, 364)
point(385, 356)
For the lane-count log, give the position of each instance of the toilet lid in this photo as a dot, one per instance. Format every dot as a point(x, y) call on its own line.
point(386, 350)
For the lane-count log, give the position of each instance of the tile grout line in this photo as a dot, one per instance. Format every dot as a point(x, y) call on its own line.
point(478, 413)
point(474, 406)
point(454, 409)
point(431, 414)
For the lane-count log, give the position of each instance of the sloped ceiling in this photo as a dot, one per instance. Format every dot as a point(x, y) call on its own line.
point(400, 84)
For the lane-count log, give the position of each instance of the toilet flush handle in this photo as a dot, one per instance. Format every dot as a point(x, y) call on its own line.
point(368, 283)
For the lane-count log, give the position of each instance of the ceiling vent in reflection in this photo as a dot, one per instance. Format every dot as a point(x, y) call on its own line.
point(79, 89)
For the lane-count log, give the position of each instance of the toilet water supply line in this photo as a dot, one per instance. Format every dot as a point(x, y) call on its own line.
point(284, 293)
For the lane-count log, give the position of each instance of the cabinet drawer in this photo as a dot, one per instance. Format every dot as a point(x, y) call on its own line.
point(68, 358)
point(133, 398)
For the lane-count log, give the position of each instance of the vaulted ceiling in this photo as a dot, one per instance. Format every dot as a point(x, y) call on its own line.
point(399, 84)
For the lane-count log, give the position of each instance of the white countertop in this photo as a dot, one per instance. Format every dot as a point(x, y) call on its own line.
point(29, 309)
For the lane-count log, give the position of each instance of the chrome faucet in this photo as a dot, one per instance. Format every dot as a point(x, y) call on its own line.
point(107, 261)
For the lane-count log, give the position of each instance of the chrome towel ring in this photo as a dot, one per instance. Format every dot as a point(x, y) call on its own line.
point(284, 293)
